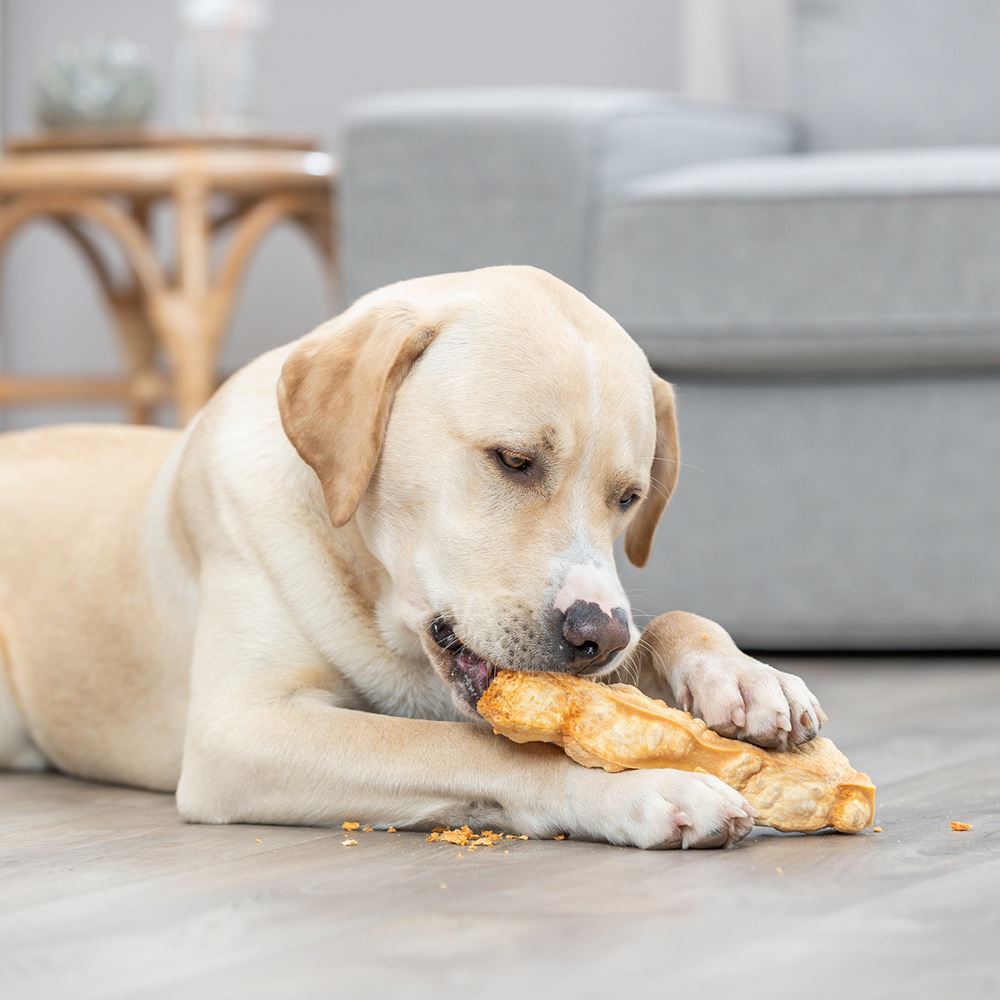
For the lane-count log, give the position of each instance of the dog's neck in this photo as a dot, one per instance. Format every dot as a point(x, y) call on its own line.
point(399, 679)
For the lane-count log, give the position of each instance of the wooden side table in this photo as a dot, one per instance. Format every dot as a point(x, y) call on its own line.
point(178, 310)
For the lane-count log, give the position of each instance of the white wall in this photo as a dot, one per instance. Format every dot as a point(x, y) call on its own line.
point(318, 53)
point(735, 50)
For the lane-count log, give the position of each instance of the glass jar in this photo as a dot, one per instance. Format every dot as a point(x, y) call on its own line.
point(217, 65)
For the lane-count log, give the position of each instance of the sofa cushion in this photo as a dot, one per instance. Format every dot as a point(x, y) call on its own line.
point(455, 179)
point(881, 73)
point(826, 261)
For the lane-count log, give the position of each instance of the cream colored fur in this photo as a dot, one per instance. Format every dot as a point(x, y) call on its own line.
point(240, 612)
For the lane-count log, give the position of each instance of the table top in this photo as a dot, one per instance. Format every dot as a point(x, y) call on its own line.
point(159, 163)
point(60, 140)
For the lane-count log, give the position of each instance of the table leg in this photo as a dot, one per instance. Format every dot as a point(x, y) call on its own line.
point(190, 316)
point(138, 342)
point(126, 305)
point(130, 310)
point(189, 327)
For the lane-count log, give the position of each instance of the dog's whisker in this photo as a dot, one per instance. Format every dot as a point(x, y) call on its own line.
point(648, 647)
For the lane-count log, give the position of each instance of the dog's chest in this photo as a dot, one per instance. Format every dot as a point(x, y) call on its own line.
point(403, 686)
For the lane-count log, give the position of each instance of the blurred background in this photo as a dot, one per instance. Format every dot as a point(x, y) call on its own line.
point(794, 206)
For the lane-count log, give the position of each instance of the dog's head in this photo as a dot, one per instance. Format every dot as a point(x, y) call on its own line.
point(492, 433)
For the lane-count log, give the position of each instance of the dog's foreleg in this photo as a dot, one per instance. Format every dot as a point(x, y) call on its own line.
point(267, 743)
point(295, 759)
point(737, 696)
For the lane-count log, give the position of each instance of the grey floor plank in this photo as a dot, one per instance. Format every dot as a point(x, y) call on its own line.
point(105, 893)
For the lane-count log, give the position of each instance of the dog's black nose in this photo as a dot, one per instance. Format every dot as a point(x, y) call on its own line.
point(593, 637)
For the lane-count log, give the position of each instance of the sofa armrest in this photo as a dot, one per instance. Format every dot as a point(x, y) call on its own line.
point(679, 133)
point(449, 180)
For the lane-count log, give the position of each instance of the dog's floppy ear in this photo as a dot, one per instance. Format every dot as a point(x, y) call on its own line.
point(663, 477)
point(336, 391)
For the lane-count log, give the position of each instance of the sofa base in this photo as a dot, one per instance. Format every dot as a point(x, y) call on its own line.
point(835, 513)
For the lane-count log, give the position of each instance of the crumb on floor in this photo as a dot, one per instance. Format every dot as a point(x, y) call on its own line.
point(464, 836)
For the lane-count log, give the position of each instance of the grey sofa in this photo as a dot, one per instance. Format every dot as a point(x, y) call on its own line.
point(823, 286)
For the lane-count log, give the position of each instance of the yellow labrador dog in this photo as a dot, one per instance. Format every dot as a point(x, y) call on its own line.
point(288, 612)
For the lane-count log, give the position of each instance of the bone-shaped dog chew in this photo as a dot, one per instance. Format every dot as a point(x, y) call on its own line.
point(617, 727)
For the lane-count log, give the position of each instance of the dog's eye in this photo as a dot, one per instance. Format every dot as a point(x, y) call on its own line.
point(513, 460)
point(626, 501)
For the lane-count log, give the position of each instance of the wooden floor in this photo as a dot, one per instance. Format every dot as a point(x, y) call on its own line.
point(104, 893)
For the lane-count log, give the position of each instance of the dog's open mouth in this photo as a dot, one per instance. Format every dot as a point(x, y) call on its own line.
point(469, 673)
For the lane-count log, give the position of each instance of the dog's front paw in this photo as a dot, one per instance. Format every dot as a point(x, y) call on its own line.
point(658, 809)
point(744, 699)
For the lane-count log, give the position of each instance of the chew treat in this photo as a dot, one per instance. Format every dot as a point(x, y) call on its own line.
point(616, 727)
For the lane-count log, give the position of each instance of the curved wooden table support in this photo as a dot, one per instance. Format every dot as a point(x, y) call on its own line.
point(174, 313)
point(125, 301)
